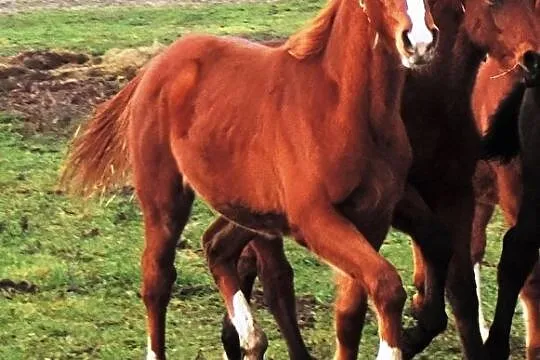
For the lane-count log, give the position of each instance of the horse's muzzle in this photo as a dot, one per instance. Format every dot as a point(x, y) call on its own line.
point(420, 53)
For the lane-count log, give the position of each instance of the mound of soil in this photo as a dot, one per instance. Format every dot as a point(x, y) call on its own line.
point(55, 91)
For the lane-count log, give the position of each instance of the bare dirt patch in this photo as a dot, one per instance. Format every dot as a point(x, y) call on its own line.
point(55, 91)
point(8, 288)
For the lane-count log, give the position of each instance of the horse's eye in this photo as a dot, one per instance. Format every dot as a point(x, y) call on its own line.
point(494, 3)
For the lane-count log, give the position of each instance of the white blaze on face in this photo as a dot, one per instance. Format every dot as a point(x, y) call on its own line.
point(150, 355)
point(420, 34)
point(243, 320)
point(388, 353)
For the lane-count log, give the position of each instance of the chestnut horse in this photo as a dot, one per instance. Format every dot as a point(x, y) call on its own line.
point(273, 139)
point(501, 183)
point(438, 205)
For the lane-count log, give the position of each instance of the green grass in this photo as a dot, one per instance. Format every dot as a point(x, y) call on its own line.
point(98, 30)
point(85, 260)
point(84, 257)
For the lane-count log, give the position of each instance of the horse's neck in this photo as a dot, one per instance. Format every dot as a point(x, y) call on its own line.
point(356, 59)
point(457, 56)
point(465, 65)
point(370, 78)
point(346, 55)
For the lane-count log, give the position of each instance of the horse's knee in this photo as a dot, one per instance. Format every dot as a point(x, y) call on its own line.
point(389, 295)
point(157, 285)
point(518, 258)
point(478, 250)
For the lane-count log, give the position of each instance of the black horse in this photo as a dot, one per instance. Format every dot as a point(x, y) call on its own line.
point(515, 130)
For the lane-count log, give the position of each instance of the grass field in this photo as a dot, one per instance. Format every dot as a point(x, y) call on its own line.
point(84, 257)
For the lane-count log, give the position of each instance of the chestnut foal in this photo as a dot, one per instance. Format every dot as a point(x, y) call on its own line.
point(500, 183)
point(273, 139)
point(438, 205)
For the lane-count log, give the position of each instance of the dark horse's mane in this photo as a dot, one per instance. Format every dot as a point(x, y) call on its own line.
point(501, 140)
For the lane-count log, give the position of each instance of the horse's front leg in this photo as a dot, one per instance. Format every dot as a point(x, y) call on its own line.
point(223, 243)
point(455, 206)
point(432, 255)
point(338, 242)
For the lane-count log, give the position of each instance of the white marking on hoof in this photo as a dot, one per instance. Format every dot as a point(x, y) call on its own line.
point(388, 353)
point(150, 354)
point(242, 319)
point(484, 331)
point(252, 338)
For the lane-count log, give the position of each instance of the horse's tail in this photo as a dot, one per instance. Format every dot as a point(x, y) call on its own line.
point(99, 158)
point(501, 141)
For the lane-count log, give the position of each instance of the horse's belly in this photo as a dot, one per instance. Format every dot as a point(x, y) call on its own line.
point(238, 184)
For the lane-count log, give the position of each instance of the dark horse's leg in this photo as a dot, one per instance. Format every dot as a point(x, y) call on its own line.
point(455, 206)
point(266, 257)
point(520, 253)
point(432, 239)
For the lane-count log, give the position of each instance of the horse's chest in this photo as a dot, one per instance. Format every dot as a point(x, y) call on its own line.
point(380, 190)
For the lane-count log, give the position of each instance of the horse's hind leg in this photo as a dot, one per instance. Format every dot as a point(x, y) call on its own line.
point(277, 278)
point(433, 242)
point(247, 272)
point(530, 300)
point(267, 258)
point(482, 215)
point(223, 243)
point(166, 206)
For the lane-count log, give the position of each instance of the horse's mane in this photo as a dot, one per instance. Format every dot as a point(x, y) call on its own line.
point(312, 39)
point(501, 140)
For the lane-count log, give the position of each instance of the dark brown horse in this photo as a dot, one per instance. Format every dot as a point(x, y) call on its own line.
point(274, 139)
point(501, 183)
point(438, 205)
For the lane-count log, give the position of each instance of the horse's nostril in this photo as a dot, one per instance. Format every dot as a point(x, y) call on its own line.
point(531, 61)
point(407, 44)
point(435, 33)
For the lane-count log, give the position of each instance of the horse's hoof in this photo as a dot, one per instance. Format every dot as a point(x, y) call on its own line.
point(257, 342)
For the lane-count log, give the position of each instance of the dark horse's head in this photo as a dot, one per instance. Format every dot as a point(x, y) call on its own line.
point(509, 31)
